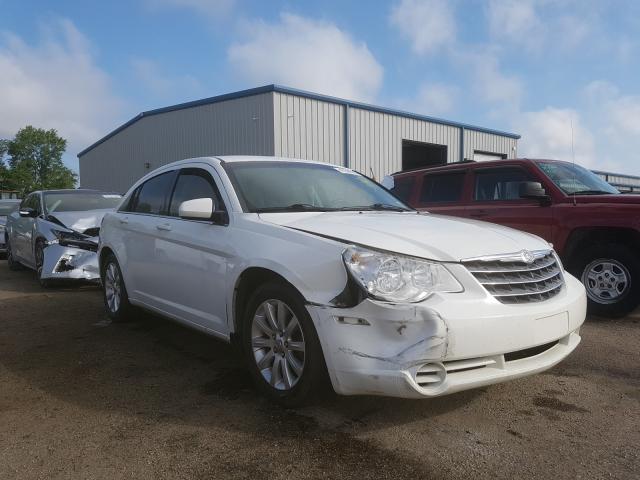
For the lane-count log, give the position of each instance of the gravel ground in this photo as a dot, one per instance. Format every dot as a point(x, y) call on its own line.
point(83, 398)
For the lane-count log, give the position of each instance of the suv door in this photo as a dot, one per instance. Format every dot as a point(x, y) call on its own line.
point(141, 219)
point(443, 192)
point(191, 256)
point(23, 230)
point(496, 199)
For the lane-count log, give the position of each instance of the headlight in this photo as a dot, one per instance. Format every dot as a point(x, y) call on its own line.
point(74, 239)
point(396, 278)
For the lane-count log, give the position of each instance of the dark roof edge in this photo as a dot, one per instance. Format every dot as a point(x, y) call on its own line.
point(301, 93)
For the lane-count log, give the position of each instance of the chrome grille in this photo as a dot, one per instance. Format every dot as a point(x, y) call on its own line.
point(511, 279)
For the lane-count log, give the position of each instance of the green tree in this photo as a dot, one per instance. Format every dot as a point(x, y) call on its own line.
point(35, 161)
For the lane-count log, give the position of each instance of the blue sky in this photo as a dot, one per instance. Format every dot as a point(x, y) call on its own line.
point(541, 68)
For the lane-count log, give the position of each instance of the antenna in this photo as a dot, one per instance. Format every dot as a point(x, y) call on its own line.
point(573, 160)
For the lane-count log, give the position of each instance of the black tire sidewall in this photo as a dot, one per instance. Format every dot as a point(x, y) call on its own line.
point(625, 256)
point(314, 376)
point(44, 283)
point(122, 314)
point(11, 260)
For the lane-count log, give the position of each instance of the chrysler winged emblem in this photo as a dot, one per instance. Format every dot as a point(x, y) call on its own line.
point(527, 256)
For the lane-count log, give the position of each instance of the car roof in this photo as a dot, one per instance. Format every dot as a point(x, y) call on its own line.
point(222, 159)
point(71, 191)
point(473, 164)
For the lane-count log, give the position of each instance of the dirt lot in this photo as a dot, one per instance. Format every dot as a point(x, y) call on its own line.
point(83, 398)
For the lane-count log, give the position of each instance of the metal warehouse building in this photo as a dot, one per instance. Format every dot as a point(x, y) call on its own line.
point(280, 121)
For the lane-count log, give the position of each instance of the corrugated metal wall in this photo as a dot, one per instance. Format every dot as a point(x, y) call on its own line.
point(242, 126)
point(376, 140)
point(487, 142)
point(308, 129)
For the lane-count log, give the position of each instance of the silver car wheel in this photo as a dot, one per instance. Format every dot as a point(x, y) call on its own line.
point(112, 287)
point(606, 280)
point(278, 344)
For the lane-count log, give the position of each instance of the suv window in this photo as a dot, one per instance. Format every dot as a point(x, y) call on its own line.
point(152, 196)
point(499, 184)
point(403, 187)
point(193, 183)
point(442, 187)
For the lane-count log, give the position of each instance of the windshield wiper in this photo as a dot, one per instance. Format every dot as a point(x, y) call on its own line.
point(294, 207)
point(591, 192)
point(379, 207)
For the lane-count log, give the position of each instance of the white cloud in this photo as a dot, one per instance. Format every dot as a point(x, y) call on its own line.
point(308, 54)
point(163, 85)
point(490, 83)
point(213, 8)
point(428, 24)
point(55, 84)
point(548, 133)
point(435, 99)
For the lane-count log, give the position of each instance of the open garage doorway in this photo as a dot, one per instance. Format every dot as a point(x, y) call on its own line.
point(420, 154)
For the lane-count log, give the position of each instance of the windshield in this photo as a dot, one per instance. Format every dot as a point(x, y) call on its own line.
point(574, 179)
point(7, 209)
point(289, 186)
point(80, 202)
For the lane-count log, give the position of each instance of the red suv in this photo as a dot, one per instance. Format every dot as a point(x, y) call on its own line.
point(594, 228)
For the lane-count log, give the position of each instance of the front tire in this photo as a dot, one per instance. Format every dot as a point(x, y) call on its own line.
point(39, 256)
point(281, 346)
point(611, 276)
point(116, 299)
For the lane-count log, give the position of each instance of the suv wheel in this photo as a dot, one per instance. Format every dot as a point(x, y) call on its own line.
point(116, 300)
point(11, 261)
point(611, 276)
point(281, 346)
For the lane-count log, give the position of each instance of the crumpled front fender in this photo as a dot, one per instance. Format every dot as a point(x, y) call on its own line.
point(69, 263)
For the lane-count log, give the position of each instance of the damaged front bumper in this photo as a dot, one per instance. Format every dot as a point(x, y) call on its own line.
point(447, 343)
point(69, 263)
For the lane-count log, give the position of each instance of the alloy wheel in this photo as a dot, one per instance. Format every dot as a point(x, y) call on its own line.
point(606, 280)
point(112, 287)
point(278, 344)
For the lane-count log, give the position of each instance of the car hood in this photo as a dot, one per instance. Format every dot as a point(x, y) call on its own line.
point(422, 235)
point(80, 221)
point(627, 198)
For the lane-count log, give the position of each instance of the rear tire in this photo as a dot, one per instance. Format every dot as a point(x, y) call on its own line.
point(116, 299)
point(611, 276)
point(14, 265)
point(281, 348)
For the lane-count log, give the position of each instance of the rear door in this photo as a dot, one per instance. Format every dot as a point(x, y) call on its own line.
point(496, 199)
point(443, 193)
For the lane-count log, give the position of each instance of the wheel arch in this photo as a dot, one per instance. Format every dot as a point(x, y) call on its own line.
point(581, 238)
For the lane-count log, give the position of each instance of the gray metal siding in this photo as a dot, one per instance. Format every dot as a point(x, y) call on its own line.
point(308, 129)
point(376, 140)
point(486, 142)
point(242, 126)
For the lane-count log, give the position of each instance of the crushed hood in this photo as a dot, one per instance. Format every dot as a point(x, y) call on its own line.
point(429, 236)
point(80, 221)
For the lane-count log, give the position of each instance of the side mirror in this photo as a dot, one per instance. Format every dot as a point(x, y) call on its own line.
point(534, 191)
point(203, 209)
point(388, 182)
point(28, 212)
point(198, 208)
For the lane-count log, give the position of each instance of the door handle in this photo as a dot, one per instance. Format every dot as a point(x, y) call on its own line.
point(479, 213)
point(164, 226)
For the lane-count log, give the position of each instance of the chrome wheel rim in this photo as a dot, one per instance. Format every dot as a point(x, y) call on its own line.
point(39, 259)
point(112, 287)
point(278, 345)
point(606, 280)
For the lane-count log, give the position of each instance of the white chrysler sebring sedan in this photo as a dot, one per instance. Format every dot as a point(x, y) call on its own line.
point(316, 270)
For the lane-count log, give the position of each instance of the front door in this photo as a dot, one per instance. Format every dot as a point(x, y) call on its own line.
point(496, 199)
point(24, 229)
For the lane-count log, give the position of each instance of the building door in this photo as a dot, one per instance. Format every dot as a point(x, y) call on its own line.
point(479, 156)
point(420, 154)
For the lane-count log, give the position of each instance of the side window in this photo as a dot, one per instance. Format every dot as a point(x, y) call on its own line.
point(499, 184)
point(153, 195)
point(403, 187)
point(25, 202)
point(443, 187)
point(32, 201)
point(193, 183)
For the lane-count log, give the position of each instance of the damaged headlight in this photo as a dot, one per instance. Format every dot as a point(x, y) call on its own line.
point(75, 239)
point(396, 278)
